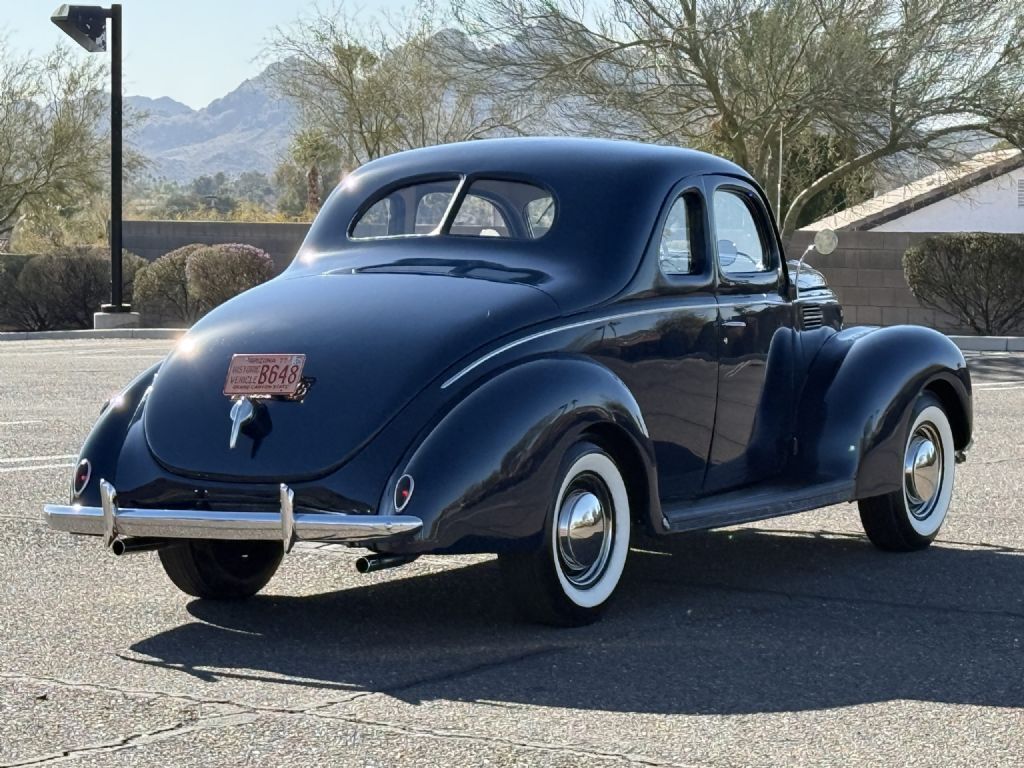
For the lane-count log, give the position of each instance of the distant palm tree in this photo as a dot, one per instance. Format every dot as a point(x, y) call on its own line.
point(312, 150)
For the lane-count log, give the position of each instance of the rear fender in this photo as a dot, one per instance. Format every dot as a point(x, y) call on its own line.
point(856, 402)
point(103, 445)
point(485, 475)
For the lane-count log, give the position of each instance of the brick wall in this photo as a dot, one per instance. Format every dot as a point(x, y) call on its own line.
point(866, 271)
point(152, 239)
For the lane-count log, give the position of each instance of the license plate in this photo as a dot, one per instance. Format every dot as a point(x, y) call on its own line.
point(264, 374)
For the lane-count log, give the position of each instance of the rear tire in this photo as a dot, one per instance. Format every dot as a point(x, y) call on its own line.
point(221, 570)
point(569, 579)
point(909, 519)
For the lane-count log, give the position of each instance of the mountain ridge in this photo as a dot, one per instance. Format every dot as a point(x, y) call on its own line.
point(247, 129)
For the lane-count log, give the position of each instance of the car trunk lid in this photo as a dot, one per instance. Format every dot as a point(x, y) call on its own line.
point(372, 342)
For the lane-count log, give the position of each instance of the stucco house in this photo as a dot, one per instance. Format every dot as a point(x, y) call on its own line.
point(983, 194)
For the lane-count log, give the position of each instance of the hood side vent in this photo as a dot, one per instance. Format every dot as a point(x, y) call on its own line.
point(812, 316)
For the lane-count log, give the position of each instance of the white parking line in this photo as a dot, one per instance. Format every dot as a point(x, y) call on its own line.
point(1000, 386)
point(22, 459)
point(20, 423)
point(33, 468)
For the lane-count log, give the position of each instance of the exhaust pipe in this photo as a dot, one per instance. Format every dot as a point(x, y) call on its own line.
point(371, 563)
point(137, 544)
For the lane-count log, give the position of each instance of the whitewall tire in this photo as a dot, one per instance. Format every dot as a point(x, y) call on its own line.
point(910, 518)
point(575, 571)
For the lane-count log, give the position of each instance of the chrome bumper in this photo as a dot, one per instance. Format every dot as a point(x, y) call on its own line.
point(288, 526)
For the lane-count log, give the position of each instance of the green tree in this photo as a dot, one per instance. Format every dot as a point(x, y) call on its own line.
point(53, 151)
point(370, 89)
point(313, 150)
point(876, 78)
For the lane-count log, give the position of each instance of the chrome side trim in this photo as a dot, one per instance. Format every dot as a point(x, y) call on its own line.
point(581, 324)
point(110, 522)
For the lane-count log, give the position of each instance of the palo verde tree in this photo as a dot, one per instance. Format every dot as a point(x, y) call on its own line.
point(372, 89)
point(53, 151)
point(876, 78)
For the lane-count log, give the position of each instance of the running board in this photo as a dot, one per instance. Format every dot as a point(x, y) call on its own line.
point(746, 506)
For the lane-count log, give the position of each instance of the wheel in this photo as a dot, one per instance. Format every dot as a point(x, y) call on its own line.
point(909, 519)
point(221, 570)
point(568, 580)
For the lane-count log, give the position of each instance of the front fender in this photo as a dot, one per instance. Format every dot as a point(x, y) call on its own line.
point(485, 475)
point(103, 445)
point(858, 396)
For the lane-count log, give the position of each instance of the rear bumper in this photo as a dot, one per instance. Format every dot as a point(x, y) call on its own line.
point(287, 526)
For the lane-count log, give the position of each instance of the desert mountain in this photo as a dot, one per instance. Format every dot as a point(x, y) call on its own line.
point(246, 130)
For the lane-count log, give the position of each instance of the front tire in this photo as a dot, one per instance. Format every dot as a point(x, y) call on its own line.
point(221, 570)
point(569, 579)
point(909, 519)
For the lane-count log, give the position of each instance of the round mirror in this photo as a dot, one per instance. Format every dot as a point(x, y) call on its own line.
point(825, 241)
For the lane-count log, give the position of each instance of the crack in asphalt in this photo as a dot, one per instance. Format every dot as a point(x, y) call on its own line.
point(247, 713)
point(138, 739)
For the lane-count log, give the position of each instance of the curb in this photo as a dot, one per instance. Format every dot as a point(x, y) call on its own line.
point(109, 333)
point(989, 343)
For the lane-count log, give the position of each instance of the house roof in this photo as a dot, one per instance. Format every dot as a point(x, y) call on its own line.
point(923, 192)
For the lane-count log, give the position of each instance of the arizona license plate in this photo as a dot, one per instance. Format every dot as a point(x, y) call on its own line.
point(264, 374)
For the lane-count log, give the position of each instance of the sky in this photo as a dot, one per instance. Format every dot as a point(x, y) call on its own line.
point(194, 51)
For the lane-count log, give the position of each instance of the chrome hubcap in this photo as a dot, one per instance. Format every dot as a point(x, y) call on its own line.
point(922, 470)
point(584, 532)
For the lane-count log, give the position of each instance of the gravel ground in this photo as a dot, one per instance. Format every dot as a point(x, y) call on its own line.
point(791, 642)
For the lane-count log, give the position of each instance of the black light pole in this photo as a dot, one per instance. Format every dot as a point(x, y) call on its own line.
point(87, 26)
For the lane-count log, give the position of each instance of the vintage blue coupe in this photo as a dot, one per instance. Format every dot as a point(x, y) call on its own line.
point(533, 347)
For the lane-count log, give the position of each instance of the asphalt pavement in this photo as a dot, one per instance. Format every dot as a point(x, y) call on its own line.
point(791, 642)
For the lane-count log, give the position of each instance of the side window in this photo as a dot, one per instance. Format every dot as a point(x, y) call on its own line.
point(681, 230)
point(540, 215)
point(376, 222)
point(431, 209)
point(479, 217)
point(739, 241)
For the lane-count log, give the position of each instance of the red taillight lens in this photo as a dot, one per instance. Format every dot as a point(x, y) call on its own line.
point(403, 492)
point(82, 474)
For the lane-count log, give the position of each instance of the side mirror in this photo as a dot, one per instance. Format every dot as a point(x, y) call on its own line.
point(825, 242)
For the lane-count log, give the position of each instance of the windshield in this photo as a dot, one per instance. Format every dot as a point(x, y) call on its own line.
point(487, 208)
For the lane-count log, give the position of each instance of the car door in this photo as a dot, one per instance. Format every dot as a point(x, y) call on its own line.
point(748, 444)
point(664, 347)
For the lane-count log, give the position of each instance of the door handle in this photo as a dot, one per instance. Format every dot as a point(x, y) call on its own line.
point(735, 324)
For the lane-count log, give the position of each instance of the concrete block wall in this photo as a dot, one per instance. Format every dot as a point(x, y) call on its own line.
point(152, 239)
point(866, 271)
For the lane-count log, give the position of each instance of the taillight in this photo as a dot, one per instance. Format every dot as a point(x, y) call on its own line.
point(82, 474)
point(403, 492)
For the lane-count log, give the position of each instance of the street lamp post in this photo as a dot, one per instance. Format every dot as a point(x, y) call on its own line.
point(87, 26)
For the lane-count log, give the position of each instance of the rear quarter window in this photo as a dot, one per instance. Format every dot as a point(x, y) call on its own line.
point(492, 208)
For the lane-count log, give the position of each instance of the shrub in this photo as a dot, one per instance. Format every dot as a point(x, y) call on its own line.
point(162, 291)
point(976, 277)
point(62, 288)
point(219, 272)
point(10, 268)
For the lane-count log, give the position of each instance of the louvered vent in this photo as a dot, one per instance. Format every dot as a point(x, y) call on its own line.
point(1020, 193)
point(812, 316)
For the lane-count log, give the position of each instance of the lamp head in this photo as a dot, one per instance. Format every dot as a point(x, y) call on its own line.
point(85, 24)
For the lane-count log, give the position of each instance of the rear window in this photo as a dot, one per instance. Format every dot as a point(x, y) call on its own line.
point(487, 208)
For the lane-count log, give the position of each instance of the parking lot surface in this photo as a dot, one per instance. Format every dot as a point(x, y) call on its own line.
point(789, 642)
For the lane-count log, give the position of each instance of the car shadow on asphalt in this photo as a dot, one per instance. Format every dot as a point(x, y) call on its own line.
point(710, 623)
